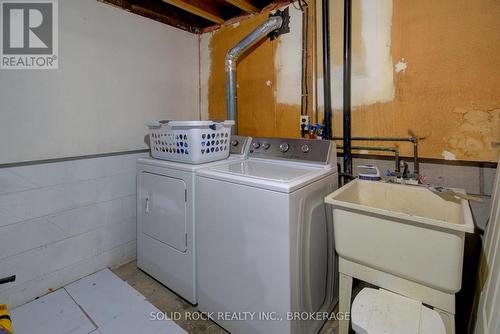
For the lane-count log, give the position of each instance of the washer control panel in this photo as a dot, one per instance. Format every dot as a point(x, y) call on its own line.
point(308, 150)
point(239, 145)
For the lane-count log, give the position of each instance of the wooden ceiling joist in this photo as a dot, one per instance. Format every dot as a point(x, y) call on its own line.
point(196, 16)
point(244, 5)
point(195, 10)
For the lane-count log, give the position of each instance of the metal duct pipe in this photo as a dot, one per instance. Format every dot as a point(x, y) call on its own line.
point(232, 56)
point(327, 94)
point(347, 88)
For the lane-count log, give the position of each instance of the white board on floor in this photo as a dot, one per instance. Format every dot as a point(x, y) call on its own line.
point(116, 307)
point(104, 296)
point(53, 313)
point(138, 320)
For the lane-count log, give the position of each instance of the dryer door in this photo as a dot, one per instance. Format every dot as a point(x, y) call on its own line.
point(163, 209)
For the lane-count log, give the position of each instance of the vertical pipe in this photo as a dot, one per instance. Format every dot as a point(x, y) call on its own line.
point(231, 93)
point(396, 157)
point(416, 168)
point(305, 45)
point(347, 88)
point(326, 70)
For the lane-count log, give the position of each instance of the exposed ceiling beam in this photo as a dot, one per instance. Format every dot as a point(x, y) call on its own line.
point(156, 11)
point(244, 5)
point(195, 10)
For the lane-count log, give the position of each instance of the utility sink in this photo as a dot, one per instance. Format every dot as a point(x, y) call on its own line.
point(406, 231)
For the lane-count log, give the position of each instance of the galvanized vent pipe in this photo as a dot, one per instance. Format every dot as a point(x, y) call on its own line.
point(271, 24)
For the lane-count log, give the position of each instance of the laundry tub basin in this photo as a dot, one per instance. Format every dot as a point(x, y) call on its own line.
point(406, 231)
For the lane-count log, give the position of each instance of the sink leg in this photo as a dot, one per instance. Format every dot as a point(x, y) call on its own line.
point(448, 320)
point(345, 290)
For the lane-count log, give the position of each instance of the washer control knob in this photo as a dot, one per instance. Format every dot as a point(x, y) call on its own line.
point(305, 148)
point(266, 146)
point(256, 145)
point(234, 142)
point(284, 147)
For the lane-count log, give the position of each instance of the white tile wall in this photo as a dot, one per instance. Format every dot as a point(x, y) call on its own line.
point(62, 221)
point(11, 182)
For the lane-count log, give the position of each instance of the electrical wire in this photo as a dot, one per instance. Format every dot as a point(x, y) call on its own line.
point(302, 5)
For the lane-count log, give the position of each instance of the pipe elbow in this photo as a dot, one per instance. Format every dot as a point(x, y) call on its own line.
point(274, 22)
point(232, 55)
point(230, 62)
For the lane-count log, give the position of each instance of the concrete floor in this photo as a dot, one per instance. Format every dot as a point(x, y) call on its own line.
point(169, 302)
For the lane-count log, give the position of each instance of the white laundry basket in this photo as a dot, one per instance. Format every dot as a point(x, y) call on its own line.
point(191, 142)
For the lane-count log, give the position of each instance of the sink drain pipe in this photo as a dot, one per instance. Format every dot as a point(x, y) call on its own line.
point(261, 32)
point(327, 93)
point(347, 88)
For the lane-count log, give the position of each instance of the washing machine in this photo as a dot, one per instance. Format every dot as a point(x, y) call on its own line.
point(265, 251)
point(166, 224)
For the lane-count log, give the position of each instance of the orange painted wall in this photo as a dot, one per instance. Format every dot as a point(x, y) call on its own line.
point(449, 95)
point(450, 92)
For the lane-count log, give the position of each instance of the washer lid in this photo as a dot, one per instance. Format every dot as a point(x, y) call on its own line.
point(277, 176)
point(265, 170)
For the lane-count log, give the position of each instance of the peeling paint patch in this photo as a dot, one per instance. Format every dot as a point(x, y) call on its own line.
point(236, 25)
point(372, 65)
point(477, 127)
point(287, 61)
point(448, 155)
point(269, 83)
point(401, 66)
